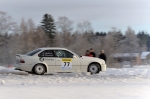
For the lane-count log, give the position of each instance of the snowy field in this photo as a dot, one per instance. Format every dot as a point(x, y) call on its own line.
point(126, 83)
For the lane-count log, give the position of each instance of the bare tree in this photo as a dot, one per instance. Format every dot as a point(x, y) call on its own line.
point(6, 27)
point(111, 44)
point(64, 30)
point(64, 25)
point(6, 23)
point(84, 27)
point(132, 41)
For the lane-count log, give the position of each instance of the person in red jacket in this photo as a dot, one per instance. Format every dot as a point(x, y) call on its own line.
point(92, 52)
point(88, 54)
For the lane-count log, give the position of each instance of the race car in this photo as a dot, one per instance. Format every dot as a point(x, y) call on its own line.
point(51, 60)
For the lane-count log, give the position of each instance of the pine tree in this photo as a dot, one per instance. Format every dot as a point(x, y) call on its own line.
point(49, 28)
point(143, 40)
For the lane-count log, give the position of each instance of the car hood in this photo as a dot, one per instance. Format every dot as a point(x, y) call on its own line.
point(92, 58)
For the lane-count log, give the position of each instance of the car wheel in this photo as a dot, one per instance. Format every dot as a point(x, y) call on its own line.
point(93, 69)
point(39, 69)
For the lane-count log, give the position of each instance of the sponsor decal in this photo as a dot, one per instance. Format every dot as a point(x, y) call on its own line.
point(41, 59)
point(67, 60)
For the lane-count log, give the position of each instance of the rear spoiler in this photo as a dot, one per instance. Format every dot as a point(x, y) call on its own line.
point(19, 55)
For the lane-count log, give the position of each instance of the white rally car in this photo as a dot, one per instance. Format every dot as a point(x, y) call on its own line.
point(50, 60)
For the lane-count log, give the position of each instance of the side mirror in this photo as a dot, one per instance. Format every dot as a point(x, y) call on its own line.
point(74, 56)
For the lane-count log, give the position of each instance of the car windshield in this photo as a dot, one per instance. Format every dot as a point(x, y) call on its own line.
point(33, 52)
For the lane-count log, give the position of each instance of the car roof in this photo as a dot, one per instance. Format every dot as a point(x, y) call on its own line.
point(47, 48)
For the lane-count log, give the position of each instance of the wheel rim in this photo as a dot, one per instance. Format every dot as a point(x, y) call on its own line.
point(93, 68)
point(39, 69)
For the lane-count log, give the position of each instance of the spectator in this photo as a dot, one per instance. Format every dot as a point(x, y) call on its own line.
point(92, 52)
point(88, 53)
point(102, 56)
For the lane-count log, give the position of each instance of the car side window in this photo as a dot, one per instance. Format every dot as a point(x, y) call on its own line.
point(46, 53)
point(63, 54)
point(33, 52)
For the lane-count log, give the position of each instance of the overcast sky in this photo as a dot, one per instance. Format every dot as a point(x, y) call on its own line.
point(103, 14)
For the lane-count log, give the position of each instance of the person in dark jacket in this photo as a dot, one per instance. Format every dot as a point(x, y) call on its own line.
point(92, 52)
point(102, 56)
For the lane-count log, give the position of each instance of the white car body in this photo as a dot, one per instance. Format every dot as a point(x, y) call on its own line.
point(57, 60)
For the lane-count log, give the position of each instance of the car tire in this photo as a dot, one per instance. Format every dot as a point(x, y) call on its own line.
point(94, 68)
point(39, 69)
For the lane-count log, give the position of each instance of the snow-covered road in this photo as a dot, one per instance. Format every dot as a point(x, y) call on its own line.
point(126, 83)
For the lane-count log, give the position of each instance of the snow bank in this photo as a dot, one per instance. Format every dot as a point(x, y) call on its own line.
point(5, 70)
point(136, 70)
point(128, 71)
point(126, 83)
point(109, 76)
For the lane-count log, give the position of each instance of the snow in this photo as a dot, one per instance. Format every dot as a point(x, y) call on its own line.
point(144, 55)
point(125, 83)
point(125, 55)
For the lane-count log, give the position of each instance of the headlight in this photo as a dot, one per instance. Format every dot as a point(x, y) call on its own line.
point(103, 62)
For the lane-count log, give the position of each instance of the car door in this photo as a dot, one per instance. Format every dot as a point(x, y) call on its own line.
point(47, 56)
point(65, 62)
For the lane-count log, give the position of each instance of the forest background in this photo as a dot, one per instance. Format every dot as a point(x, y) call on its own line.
point(26, 36)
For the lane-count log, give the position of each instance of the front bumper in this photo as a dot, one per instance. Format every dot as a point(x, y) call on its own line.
point(103, 67)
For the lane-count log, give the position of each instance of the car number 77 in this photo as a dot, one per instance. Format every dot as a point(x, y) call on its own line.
point(65, 63)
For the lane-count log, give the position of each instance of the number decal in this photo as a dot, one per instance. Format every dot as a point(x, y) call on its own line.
point(66, 63)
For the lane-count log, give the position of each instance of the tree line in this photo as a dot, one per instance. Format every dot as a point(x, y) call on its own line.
point(26, 36)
